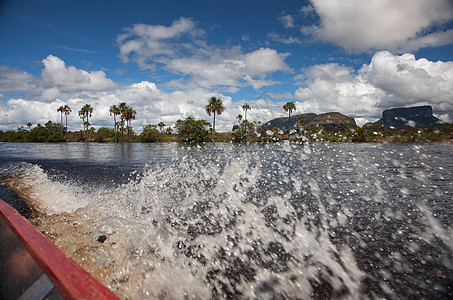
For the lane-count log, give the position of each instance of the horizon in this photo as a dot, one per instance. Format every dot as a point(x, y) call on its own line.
point(167, 60)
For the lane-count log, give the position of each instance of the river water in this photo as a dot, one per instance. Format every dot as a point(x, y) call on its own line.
point(276, 221)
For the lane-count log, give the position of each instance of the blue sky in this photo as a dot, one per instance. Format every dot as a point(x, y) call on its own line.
point(167, 58)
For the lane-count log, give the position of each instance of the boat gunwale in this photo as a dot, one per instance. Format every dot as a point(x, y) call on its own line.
point(70, 279)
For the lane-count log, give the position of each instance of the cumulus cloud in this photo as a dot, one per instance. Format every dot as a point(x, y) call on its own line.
point(57, 81)
point(388, 81)
point(16, 113)
point(406, 79)
point(68, 79)
point(264, 61)
point(395, 25)
point(333, 87)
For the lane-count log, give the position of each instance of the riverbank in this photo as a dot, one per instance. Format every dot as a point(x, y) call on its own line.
point(245, 133)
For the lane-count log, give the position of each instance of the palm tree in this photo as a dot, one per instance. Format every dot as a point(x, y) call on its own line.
point(61, 111)
point(289, 107)
point(129, 115)
point(161, 126)
point(239, 118)
point(115, 111)
point(122, 107)
point(67, 111)
point(246, 107)
point(214, 106)
point(85, 112)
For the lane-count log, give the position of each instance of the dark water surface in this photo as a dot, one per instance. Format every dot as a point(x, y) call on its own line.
point(280, 221)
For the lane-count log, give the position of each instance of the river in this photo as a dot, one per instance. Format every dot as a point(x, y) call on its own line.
point(275, 221)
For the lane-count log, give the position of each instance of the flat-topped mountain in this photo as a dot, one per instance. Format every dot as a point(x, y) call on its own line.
point(418, 116)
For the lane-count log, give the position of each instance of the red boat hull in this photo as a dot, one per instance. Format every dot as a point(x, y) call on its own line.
point(27, 268)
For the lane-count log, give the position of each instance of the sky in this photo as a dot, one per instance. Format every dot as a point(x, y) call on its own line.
point(165, 59)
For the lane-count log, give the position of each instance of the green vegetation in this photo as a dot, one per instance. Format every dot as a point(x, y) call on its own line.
point(50, 132)
point(192, 131)
point(150, 134)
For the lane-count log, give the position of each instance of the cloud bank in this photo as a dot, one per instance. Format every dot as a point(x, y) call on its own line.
point(387, 81)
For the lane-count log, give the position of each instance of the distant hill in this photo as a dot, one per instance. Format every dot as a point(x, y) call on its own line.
point(418, 116)
point(282, 123)
point(333, 121)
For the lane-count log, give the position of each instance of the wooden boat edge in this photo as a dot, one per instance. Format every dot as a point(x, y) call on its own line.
point(70, 279)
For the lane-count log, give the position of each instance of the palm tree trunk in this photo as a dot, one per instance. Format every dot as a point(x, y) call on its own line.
point(61, 124)
point(66, 123)
point(289, 122)
point(114, 126)
point(88, 124)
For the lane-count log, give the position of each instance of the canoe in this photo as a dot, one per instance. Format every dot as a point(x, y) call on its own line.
point(32, 267)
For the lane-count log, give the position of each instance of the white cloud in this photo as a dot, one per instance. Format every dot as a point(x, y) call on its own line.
point(396, 25)
point(208, 73)
point(69, 79)
point(18, 112)
point(287, 21)
point(181, 49)
point(388, 81)
point(264, 61)
point(12, 80)
point(257, 83)
point(275, 37)
point(408, 80)
point(231, 69)
point(333, 87)
point(144, 43)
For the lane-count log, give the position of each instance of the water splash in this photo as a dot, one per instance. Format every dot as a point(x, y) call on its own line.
point(256, 222)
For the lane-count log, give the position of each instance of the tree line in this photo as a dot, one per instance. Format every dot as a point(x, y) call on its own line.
point(191, 130)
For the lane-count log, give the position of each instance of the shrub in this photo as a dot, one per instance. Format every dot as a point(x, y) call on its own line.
point(192, 131)
point(150, 134)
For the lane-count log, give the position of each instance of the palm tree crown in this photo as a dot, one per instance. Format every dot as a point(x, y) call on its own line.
point(246, 107)
point(214, 106)
point(161, 125)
